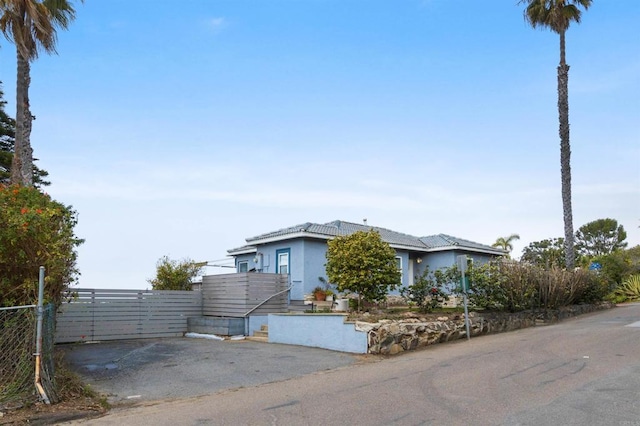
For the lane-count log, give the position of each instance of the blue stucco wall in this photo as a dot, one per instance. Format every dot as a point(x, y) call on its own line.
point(405, 271)
point(307, 261)
point(315, 252)
point(447, 259)
point(306, 264)
point(255, 322)
point(437, 260)
point(328, 331)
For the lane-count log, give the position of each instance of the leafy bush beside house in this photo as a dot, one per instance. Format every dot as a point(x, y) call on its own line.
point(364, 264)
point(429, 290)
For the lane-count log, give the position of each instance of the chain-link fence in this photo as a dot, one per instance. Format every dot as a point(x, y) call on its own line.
point(17, 354)
point(47, 364)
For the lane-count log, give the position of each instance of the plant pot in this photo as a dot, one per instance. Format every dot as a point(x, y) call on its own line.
point(320, 296)
point(342, 305)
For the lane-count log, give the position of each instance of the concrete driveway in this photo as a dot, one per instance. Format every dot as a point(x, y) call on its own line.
point(153, 369)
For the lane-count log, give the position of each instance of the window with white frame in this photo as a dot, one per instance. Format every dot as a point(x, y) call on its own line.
point(399, 266)
point(283, 261)
point(243, 266)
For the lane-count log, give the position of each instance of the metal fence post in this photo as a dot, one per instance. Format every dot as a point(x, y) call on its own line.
point(38, 354)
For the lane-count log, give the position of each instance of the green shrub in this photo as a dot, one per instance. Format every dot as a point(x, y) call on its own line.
point(35, 231)
point(174, 275)
point(629, 290)
point(515, 286)
point(364, 264)
point(428, 290)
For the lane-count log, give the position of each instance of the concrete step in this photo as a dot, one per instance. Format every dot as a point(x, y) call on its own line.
point(261, 333)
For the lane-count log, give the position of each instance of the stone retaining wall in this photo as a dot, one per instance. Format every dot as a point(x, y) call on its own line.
point(389, 337)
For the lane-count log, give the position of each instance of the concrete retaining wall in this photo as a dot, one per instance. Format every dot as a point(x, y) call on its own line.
point(216, 325)
point(328, 331)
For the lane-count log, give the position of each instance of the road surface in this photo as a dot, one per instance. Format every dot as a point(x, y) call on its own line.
point(583, 371)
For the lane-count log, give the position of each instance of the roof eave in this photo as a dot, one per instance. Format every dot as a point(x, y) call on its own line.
point(284, 237)
point(242, 250)
point(473, 249)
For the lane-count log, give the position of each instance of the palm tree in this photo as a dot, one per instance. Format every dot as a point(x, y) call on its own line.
point(557, 15)
point(31, 26)
point(505, 243)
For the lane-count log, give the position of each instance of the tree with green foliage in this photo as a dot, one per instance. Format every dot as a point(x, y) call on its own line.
point(7, 145)
point(175, 275)
point(31, 25)
point(615, 267)
point(600, 237)
point(506, 243)
point(35, 231)
point(364, 264)
point(557, 15)
point(545, 253)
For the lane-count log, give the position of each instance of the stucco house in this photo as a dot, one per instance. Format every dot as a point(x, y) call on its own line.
point(300, 252)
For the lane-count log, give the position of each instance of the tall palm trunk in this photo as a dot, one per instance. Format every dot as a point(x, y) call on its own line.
point(565, 155)
point(22, 165)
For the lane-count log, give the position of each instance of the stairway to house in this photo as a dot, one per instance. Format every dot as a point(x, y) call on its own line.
point(261, 335)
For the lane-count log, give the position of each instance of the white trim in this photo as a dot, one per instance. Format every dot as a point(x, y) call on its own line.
point(244, 250)
point(401, 270)
point(291, 236)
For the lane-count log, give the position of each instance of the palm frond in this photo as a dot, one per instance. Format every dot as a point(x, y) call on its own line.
point(556, 15)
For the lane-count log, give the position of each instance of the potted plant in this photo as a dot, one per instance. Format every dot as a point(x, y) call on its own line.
point(328, 295)
point(319, 293)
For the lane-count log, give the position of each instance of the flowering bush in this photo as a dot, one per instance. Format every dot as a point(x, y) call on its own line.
point(429, 290)
point(35, 231)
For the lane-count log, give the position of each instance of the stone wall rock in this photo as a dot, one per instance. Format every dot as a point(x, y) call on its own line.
point(390, 337)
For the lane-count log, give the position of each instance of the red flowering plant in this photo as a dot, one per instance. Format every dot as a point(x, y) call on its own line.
point(429, 289)
point(35, 231)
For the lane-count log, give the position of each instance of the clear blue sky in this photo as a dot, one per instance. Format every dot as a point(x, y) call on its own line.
point(181, 128)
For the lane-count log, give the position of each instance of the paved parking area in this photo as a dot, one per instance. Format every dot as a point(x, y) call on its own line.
point(154, 369)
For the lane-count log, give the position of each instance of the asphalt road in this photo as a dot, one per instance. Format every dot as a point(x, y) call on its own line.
point(583, 371)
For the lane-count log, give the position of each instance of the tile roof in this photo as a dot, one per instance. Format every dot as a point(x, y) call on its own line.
point(339, 228)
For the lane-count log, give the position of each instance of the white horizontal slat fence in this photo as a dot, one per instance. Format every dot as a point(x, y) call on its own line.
point(100, 314)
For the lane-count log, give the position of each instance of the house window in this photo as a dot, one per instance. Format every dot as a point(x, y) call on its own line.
point(282, 261)
point(399, 266)
point(243, 266)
